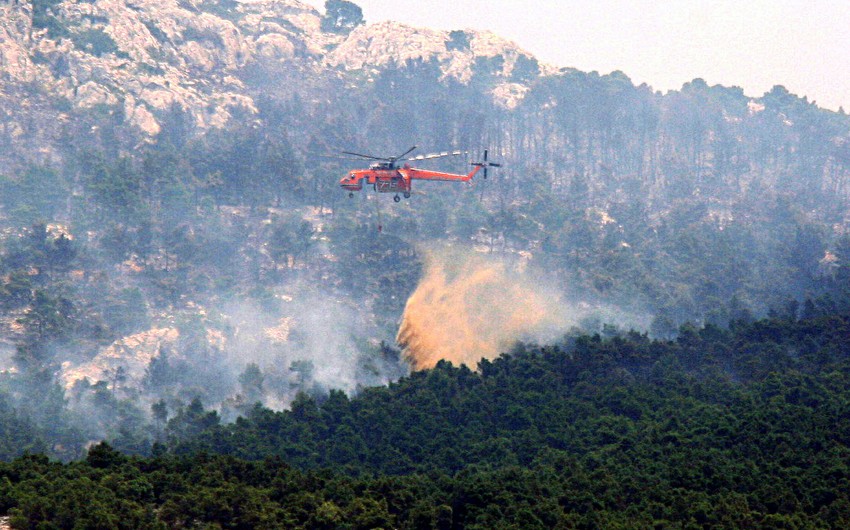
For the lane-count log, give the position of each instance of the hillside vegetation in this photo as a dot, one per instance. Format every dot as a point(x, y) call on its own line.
point(239, 242)
point(182, 279)
point(741, 428)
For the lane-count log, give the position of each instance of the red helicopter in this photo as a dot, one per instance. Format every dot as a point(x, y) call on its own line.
point(386, 176)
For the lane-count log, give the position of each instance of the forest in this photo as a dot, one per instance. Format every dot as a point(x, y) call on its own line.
point(728, 209)
point(197, 328)
point(720, 428)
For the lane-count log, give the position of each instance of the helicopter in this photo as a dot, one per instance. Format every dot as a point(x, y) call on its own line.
point(386, 175)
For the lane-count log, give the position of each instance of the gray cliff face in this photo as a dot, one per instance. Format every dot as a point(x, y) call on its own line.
point(15, 30)
point(147, 55)
point(208, 57)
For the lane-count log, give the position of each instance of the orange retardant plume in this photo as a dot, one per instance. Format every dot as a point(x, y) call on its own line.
point(468, 307)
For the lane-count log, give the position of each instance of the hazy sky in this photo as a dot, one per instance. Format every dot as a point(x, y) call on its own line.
point(803, 45)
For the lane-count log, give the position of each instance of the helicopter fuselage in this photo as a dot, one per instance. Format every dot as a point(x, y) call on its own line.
point(387, 179)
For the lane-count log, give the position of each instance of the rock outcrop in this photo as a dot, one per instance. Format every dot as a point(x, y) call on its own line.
point(205, 57)
point(133, 354)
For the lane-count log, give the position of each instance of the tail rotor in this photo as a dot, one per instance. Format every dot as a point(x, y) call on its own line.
point(485, 164)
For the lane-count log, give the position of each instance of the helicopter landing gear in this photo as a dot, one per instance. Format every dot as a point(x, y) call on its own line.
point(406, 194)
point(396, 198)
point(350, 194)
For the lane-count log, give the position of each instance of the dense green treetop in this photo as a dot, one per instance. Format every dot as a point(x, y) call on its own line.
point(719, 428)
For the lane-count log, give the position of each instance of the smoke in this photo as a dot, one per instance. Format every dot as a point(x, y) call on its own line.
point(7, 351)
point(469, 307)
point(299, 339)
point(309, 340)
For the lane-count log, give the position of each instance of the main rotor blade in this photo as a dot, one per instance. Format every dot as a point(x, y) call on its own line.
point(404, 154)
point(330, 157)
point(364, 156)
point(437, 155)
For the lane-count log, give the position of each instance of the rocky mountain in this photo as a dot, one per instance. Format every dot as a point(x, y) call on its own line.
point(171, 228)
point(212, 58)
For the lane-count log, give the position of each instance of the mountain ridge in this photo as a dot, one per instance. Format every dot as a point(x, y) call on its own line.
point(143, 57)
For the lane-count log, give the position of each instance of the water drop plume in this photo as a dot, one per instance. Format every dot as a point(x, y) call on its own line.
point(468, 306)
